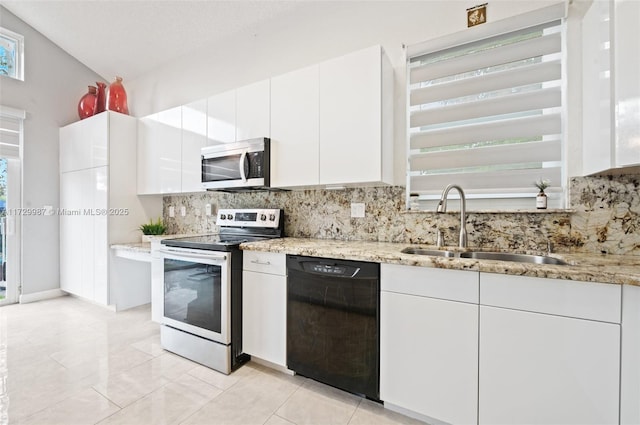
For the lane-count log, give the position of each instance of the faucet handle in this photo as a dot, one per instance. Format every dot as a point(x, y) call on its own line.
point(439, 238)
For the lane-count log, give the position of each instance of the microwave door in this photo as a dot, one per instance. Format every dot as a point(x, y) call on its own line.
point(244, 166)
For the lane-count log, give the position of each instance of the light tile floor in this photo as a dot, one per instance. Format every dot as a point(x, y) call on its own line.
point(65, 361)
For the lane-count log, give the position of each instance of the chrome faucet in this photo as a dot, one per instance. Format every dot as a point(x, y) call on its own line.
point(442, 207)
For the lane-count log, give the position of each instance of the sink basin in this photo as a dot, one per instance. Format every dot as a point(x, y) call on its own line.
point(480, 255)
point(518, 258)
point(432, 252)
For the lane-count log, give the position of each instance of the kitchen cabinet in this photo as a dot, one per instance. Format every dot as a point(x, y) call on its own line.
point(239, 114)
point(356, 119)
point(221, 118)
point(332, 123)
point(611, 65)
point(295, 128)
point(160, 153)
point(429, 342)
point(99, 205)
point(630, 367)
point(252, 111)
point(85, 146)
point(194, 138)
point(549, 351)
point(264, 306)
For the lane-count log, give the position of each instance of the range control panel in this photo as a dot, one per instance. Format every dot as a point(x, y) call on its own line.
point(249, 218)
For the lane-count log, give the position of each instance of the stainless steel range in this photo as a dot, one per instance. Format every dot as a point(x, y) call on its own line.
point(202, 312)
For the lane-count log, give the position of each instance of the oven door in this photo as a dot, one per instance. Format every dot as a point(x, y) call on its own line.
point(197, 294)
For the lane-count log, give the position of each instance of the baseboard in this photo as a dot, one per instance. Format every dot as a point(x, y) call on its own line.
point(412, 414)
point(42, 295)
point(271, 365)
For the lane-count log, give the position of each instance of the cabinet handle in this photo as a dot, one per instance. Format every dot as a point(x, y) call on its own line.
point(262, 263)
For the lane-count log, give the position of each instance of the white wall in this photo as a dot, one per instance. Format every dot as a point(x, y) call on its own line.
point(54, 82)
point(310, 35)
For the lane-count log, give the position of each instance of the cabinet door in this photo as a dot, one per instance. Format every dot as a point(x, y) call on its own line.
point(350, 118)
point(295, 120)
point(252, 111)
point(97, 199)
point(160, 153)
point(264, 317)
point(70, 233)
point(194, 138)
point(441, 337)
point(627, 81)
point(596, 74)
point(543, 369)
point(148, 153)
point(221, 118)
point(84, 144)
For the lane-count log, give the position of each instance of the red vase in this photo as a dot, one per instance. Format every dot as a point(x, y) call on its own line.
point(117, 99)
point(101, 101)
point(87, 103)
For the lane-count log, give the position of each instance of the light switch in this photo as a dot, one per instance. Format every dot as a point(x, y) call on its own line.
point(207, 209)
point(172, 211)
point(357, 210)
point(183, 211)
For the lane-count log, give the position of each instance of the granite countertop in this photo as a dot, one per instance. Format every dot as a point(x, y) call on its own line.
point(616, 269)
point(133, 246)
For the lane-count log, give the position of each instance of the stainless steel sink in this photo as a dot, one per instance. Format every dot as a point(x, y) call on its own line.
point(480, 255)
point(432, 252)
point(518, 258)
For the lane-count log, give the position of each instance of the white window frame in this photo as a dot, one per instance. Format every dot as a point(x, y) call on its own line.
point(19, 52)
point(482, 201)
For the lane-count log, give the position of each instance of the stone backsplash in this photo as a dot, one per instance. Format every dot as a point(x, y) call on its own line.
point(604, 217)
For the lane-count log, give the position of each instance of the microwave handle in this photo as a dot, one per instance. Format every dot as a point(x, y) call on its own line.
point(243, 158)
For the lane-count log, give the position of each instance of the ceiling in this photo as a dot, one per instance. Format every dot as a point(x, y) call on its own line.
point(131, 38)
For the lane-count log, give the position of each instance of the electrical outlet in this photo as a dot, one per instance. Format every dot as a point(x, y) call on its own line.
point(207, 209)
point(183, 211)
point(357, 210)
point(172, 211)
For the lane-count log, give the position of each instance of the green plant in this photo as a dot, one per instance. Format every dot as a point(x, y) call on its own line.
point(153, 228)
point(542, 184)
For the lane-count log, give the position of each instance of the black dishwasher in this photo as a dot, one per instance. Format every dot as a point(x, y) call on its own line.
point(333, 322)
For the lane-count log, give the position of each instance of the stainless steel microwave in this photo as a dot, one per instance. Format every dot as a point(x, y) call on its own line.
point(237, 166)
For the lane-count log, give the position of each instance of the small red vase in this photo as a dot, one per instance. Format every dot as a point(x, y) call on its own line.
point(101, 101)
point(87, 103)
point(117, 99)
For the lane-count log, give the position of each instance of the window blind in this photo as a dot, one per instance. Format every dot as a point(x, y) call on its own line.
point(10, 132)
point(487, 115)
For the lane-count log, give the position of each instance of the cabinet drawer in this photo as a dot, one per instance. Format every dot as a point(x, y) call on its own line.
point(455, 285)
point(582, 300)
point(265, 262)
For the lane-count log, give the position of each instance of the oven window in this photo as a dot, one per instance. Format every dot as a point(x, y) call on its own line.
point(192, 293)
point(221, 168)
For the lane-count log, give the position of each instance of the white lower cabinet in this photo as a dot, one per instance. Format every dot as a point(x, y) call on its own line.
point(264, 306)
point(429, 342)
point(542, 366)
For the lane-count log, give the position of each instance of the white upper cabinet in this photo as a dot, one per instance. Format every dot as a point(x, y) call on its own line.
point(84, 144)
point(221, 118)
point(252, 111)
point(356, 119)
point(160, 152)
point(295, 128)
point(611, 65)
point(194, 138)
point(332, 124)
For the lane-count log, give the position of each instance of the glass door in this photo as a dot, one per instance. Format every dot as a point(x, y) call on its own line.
point(196, 294)
point(9, 230)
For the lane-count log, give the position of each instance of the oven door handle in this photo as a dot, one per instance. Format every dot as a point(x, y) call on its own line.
point(193, 255)
point(243, 159)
